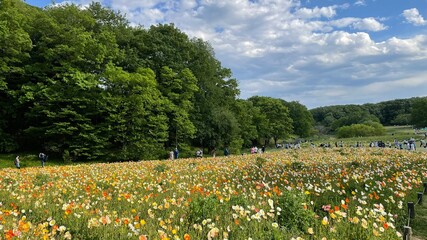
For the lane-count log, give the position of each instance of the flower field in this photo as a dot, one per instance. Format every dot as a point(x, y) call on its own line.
point(304, 194)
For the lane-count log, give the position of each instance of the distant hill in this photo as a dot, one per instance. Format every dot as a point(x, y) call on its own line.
point(393, 112)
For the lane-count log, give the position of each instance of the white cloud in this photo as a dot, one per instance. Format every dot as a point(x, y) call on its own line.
point(369, 24)
point(188, 4)
point(415, 47)
point(282, 48)
point(83, 3)
point(360, 3)
point(413, 16)
point(363, 24)
point(134, 4)
point(316, 12)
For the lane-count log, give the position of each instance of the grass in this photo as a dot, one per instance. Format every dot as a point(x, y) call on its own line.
point(27, 160)
point(399, 133)
point(419, 224)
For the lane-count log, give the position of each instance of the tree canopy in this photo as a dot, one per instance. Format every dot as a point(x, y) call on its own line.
point(82, 83)
point(419, 113)
point(394, 112)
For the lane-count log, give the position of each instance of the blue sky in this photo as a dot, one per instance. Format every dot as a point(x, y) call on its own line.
point(317, 52)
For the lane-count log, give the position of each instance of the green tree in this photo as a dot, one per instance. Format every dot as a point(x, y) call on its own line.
point(136, 119)
point(302, 120)
point(61, 92)
point(179, 89)
point(402, 119)
point(15, 45)
point(82, 83)
point(361, 130)
point(226, 132)
point(65, 117)
point(419, 113)
point(278, 120)
point(391, 109)
point(165, 45)
point(246, 114)
point(217, 90)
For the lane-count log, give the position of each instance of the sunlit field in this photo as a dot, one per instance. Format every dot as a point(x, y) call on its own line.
point(295, 194)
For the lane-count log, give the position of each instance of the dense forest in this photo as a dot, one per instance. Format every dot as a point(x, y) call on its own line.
point(410, 111)
point(82, 84)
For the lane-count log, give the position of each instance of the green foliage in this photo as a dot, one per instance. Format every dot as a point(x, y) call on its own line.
point(419, 224)
point(246, 113)
point(201, 208)
point(419, 113)
point(136, 117)
point(387, 113)
point(353, 164)
point(179, 89)
point(7, 143)
point(226, 128)
point(278, 123)
point(302, 119)
point(161, 167)
point(361, 130)
point(83, 84)
point(294, 215)
point(15, 45)
point(260, 162)
point(236, 146)
point(297, 166)
point(402, 119)
point(41, 179)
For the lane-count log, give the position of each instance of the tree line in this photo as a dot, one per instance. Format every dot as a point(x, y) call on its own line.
point(411, 111)
point(82, 83)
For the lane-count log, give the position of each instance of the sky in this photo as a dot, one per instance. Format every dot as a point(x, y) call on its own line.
point(316, 52)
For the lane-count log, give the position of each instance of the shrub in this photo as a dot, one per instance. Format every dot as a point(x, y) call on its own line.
point(361, 130)
point(294, 215)
point(202, 208)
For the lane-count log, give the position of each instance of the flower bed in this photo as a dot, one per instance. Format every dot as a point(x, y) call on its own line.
point(300, 194)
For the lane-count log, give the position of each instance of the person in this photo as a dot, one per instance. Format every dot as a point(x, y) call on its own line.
point(226, 152)
point(43, 158)
point(175, 153)
point(199, 153)
point(213, 152)
point(17, 162)
point(263, 149)
point(171, 155)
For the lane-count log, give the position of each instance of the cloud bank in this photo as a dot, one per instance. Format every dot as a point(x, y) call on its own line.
point(292, 50)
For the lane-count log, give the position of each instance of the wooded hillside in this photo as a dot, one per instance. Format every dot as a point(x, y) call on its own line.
point(388, 113)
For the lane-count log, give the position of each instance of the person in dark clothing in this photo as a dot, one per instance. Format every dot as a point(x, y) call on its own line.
point(226, 152)
point(175, 153)
point(43, 158)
